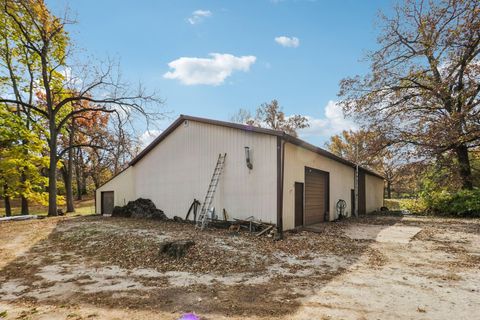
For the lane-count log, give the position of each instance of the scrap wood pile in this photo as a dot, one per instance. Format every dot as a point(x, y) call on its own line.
point(255, 226)
point(251, 225)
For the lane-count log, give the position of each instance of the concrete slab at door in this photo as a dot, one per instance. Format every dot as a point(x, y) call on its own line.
point(382, 233)
point(107, 202)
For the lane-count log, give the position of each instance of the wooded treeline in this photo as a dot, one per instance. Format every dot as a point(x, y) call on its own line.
point(63, 124)
point(419, 106)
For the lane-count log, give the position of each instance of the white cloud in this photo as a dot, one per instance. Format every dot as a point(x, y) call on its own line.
point(333, 123)
point(198, 16)
point(285, 41)
point(148, 136)
point(210, 71)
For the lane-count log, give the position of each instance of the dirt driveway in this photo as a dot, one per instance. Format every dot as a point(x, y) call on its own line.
point(111, 268)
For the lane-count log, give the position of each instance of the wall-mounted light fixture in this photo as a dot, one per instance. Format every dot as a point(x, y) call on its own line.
point(248, 158)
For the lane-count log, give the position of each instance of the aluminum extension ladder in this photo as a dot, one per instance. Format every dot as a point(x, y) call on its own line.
point(207, 203)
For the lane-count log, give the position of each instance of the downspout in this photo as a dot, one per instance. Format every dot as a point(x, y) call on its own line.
point(356, 182)
point(283, 176)
point(280, 174)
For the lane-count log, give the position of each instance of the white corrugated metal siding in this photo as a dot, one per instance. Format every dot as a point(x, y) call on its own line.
point(373, 193)
point(179, 169)
point(123, 187)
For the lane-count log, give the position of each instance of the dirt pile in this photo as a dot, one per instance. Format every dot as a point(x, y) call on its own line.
point(140, 208)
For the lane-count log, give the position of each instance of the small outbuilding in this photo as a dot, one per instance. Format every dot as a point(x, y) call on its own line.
point(267, 174)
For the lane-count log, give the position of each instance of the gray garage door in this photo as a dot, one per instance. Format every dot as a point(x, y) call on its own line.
point(107, 202)
point(316, 195)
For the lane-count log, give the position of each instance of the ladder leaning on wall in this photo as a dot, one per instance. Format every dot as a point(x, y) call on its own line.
point(207, 203)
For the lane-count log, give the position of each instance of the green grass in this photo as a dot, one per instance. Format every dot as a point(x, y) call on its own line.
point(83, 207)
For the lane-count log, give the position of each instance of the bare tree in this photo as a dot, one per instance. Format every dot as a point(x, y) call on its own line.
point(368, 150)
point(271, 115)
point(423, 88)
point(241, 116)
point(44, 37)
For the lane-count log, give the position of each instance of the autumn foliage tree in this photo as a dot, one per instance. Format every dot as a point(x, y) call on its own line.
point(92, 133)
point(423, 87)
point(367, 149)
point(20, 163)
point(86, 130)
point(356, 146)
point(270, 115)
point(44, 63)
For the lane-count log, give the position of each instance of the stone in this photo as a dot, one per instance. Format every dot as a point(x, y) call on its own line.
point(176, 248)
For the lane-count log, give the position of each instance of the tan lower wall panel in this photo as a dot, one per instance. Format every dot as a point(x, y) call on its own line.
point(341, 181)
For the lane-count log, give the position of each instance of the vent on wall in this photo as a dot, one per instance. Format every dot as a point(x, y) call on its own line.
point(185, 123)
point(248, 158)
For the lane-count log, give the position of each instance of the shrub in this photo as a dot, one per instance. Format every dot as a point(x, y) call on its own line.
point(463, 203)
point(393, 204)
point(466, 203)
point(416, 206)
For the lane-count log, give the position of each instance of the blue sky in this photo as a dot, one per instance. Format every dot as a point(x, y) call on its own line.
point(323, 42)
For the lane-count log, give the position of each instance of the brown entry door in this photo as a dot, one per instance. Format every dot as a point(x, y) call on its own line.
point(107, 202)
point(298, 204)
point(316, 195)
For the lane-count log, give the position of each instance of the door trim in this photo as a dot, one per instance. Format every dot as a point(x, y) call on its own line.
point(352, 202)
point(326, 215)
point(101, 200)
point(300, 186)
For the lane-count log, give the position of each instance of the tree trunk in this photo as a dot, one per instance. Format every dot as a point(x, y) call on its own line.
point(67, 179)
point(389, 189)
point(464, 168)
point(83, 175)
point(8, 208)
point(68, 172)
point(69, 189)
point(79, 185)
point(84, 181)
point(52, 171)
point(24, 201)
point(96, 181)
point(78, 176)
point(25, 210)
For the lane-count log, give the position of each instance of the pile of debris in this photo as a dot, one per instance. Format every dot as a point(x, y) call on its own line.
point(140, 208)
point(257, 227)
